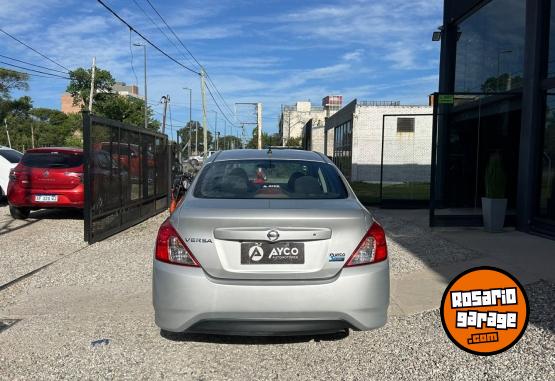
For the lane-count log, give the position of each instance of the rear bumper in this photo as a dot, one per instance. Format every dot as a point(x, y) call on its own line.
point(187, 299)
point(21, 197)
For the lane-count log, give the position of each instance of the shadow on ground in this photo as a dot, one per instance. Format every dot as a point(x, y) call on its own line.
point(251, 340)
point(414, 246)
point(10, 225)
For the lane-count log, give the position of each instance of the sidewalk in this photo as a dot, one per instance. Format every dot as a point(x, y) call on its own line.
point(425, 259)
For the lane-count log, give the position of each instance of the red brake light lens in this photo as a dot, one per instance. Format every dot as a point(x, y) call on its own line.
point(170, 248)
point(372, 248)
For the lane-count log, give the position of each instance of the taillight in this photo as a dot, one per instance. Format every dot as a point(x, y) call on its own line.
point(78, 175)
point(371, 249)
point(19, 176)
point(170, 248)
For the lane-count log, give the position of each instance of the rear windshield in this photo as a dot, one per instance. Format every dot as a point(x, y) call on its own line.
point(276, 179)
point(52, 159)
point(11, 155)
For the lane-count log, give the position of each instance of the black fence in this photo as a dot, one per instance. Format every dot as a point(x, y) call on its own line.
point(127, 175)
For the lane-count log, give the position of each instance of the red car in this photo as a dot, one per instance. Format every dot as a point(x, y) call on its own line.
point(46, 178)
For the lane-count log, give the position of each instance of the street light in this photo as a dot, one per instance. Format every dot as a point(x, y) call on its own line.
point(499, 67)
point(146, 97)
point(190, 123)
point(215, 126)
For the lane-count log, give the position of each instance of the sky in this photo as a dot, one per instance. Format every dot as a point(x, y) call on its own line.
point(276, 52)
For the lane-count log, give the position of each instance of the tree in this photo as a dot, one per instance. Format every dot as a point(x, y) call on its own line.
point(294, 142)
point(106, 103)
point(267, 139)
point(12, 80)
point(80, 84)
point(126, 109)
point(184, 136)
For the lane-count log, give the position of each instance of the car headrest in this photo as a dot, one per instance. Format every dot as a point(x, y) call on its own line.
point(307, 185)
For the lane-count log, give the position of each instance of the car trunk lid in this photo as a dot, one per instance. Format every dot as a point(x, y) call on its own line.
point(257, 239)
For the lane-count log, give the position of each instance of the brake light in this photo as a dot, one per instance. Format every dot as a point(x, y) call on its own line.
point(170, 248)
point(372, 248)
point(75, 174)
point(19, 176)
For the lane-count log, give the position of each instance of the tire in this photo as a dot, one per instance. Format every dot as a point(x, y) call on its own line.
point(19, 213)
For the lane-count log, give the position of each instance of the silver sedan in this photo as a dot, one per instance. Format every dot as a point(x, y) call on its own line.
point(270, 242)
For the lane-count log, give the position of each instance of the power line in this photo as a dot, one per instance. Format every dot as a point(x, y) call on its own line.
point(34, 75)
point(162, 31)
point(219, 108)
point(36, 71)
point(144, 38)
point(30, 64)
point(172, 31)
point(33, 49)
point(131, 51)
point(191, 54)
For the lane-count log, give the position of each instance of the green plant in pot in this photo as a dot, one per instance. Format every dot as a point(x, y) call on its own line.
point(494, 204)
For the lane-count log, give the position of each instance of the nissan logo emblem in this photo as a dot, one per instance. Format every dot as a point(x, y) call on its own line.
point(273, 235)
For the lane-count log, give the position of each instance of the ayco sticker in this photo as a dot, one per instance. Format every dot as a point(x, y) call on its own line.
point(484, 311)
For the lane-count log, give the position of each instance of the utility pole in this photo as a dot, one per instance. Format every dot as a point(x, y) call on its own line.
point(215, 128)
point(32, 135)
point(91, 95)
point(204, 129)
point(190, 123)
point(217, 141)
point(165, 99)
point(7, 133)
point(146, 94)
point(225, 128)
point(259, 123)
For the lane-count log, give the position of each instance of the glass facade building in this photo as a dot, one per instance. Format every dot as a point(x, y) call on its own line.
point(498, 65)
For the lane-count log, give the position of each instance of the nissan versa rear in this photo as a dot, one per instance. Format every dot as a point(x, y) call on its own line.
point(270, 243)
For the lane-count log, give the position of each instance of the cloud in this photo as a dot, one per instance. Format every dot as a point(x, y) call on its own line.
point(355, 55)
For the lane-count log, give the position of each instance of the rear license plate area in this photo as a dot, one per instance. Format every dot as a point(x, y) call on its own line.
point(46, 198)
point(263, 253)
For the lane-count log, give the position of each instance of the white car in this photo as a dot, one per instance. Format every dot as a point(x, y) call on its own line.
point(8, 160)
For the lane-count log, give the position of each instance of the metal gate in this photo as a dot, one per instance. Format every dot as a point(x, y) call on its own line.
point(126, 177)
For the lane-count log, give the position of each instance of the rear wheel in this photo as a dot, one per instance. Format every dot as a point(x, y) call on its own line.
point(19, 213)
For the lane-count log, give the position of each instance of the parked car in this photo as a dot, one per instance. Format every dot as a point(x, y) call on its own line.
point(8, 160)
point(53, 178)
point(296, 253)
point(46, 178)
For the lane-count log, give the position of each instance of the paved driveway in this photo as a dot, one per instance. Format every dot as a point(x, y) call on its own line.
point(103, 292)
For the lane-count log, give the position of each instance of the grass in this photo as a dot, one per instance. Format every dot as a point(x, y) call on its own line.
point(369, 193)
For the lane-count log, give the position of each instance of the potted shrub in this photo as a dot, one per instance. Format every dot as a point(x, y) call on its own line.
point(494, 204)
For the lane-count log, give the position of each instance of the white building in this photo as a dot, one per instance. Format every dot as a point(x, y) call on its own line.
point(294, 118)
point(357, 133)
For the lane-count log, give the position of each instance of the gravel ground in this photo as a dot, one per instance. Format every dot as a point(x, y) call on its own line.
point(413, 248)
point(103, 292)
point(42, 238)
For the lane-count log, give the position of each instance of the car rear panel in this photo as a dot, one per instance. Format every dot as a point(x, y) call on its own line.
point(31, 181)
point(215, 229)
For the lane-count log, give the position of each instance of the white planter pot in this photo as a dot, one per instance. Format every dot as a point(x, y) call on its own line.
point(493, 212)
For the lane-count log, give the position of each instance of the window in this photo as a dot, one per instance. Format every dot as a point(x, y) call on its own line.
point(405, 124)
point(52, 159)
point(269, 179)
point(547, 180)
point(490, 50)
point(11, 155)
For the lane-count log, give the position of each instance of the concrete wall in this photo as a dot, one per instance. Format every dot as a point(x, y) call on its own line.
point(318, 139)
point(407, 155)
